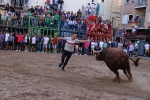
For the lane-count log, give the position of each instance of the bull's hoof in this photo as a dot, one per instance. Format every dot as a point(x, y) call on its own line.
point(115, 80)
point(130, 80)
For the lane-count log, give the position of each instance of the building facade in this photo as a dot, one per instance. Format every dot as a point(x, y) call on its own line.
point(135, 12)
point(110, 10)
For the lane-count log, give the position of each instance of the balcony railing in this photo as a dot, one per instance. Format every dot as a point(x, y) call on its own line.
point(128, 2)
point(140, 3)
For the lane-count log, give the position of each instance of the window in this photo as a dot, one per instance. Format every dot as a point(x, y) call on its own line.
point(127, 19)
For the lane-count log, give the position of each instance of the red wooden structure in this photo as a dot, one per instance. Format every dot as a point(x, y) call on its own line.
point(98, 31)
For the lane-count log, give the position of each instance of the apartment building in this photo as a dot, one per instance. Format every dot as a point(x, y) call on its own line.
point(136, 12)
point(110, 10)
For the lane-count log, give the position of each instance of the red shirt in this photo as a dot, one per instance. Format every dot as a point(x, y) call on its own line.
point(55, 41)
point(20, 38)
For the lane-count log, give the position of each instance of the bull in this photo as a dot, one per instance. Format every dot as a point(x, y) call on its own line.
point(116, 59)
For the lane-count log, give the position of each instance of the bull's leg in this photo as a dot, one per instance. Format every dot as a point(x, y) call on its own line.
point(128, 70)
point(117, 76)
point(125, 72)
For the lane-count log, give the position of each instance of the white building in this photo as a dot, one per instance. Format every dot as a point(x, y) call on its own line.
point(69, 5)
point(110, 10)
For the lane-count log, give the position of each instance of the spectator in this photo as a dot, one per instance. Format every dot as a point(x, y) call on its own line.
point(7, 7)
point(101, 44)
point(25, 7)
point(105, 45)
point(120, 45)
point(147, 47)
point(97, 9)
point(19, 41)
point(136, 49)
point(92, 47)
point(79, 12)
point(1, 40)
point(26, 40)
point(94, 10)
point(33, 43)
point(39, 42)
point(131, 48)
point(45, 44)
point(80, 46)
point(86, 46)
point(12, 9)
point(55, 40)
point(6, 40)
point(11, 41)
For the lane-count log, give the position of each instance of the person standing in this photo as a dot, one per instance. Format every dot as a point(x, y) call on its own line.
point(147, 47)
point(92, 47)
point(11, 41)
point(45, 44)
point(1, 40)
point(69, 49)
point(26, 40)
point(33, 43)
point(6, 40)
point(19, 41)
point(131, 48)
point(136, 49)
point(55, 40)
point(39, 43)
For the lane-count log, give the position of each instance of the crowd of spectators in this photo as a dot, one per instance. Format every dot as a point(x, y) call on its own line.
point(48, 44)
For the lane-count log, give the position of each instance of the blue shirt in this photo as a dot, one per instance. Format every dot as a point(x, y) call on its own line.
point(39, 39)
point(1, 37)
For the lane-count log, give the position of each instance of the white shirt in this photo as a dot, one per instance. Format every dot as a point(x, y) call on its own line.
point(33, 40)
point(136, 46)
point(70, 43)
point(46, 39)
point(70, 22)
point(6, 36)
point(120, 45)
point(101, 44)
point(147, 46)
point(25, 39)
point(92, 45)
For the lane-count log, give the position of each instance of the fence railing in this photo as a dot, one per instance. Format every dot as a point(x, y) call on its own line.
point(139, 3)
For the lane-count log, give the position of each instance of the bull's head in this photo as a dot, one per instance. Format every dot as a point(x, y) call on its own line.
point(99, 55)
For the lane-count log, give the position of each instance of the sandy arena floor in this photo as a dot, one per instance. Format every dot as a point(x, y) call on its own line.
point(36, 76)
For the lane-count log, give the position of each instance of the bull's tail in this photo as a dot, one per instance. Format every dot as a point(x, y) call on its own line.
point(135, 61)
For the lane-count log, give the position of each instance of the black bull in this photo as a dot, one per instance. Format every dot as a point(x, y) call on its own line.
point(116, 59)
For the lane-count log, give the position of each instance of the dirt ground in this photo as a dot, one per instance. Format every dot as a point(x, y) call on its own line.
point(36, 76)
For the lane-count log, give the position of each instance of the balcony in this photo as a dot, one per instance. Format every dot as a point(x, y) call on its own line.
point(140, 3)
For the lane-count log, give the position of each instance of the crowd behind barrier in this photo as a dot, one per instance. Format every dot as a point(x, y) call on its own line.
point(82, 21)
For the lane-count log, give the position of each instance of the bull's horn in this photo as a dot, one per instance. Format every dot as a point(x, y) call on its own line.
point(97, 51)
